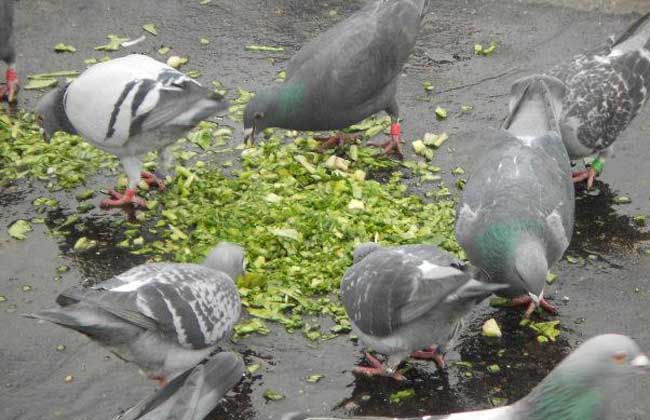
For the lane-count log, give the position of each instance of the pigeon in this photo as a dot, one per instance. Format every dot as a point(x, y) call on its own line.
point(193, 394)
point(164, 317)
point(581, 387)
point(8, 51)
point(346, 74)
point(604, 90)
point(129, 106)
point(516, 216)
point(403, 299)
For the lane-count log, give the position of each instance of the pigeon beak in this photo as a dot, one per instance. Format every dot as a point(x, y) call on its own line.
point(249, 134)
point(642, 362)
point(536, 299)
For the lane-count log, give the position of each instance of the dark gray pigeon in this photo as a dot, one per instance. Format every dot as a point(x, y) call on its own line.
point(407, 298)
point(164, 317)
point(129, 106)
point(193, 394)
point(580, 388)
point(8, 51)
point(517, 212)
point(605, 89)
point(346, 74)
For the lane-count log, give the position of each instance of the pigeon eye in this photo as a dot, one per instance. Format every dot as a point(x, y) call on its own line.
point(259, 115)
point(619, 357)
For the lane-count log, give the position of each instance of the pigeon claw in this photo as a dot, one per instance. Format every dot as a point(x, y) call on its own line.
point(377, 369)
point(129, 198)
point(337, 140)
point(153, 180)
point(588, 175)
point(394, 145)
point(528, 302)
point(431, 353)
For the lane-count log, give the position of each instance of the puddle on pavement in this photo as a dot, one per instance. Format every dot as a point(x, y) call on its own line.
point(599, 229)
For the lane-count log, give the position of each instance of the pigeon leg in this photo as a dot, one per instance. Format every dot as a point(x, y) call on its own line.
point(588, 175)
point(394, 145)
point(337, 140)
point(432, 353)
point(153, 180)
point(530, 305)
point(377, 369)
point(12, 85)
point(162, 380)
point(120, 200)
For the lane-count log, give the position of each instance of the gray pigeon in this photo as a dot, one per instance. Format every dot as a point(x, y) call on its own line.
point(605, 89)
point(8, 51)
point(580, 388)
point(346, 74)
point(164, 317)
point(193, 394)
point(406, 298)
point(129, 106)
point(516, 216)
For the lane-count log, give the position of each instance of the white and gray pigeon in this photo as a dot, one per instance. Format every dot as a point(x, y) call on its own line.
point(163, 317)
point(129, 106)
point(605, 89)
point(516, 216)
point(346, 74)
point(404, 299)
point(9, 90)
point(582, 387)
point(193, 394)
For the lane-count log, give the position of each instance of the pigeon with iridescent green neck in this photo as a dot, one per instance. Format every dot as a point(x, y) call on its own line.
point(407, 298)
point(348, 73)
point(516, 216)
point(582, 387)
point(8, 51)
point(604, 91)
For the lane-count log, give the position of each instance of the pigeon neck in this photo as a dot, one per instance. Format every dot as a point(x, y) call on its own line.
point(60, 115)
point(287, 105)
point(563, 395)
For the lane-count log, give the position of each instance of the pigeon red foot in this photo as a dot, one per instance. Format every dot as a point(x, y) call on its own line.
point(152, 180)
point(394, 145)
point(120, 200)
point(336, 140)
point(432, 353)
point(530, 304)
point(12, 86)
point(377, 369)
point(589, 175)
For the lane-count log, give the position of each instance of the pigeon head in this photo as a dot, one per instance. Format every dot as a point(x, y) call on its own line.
point(581, 386)
point(258, 114)
point(531, 267)
point(50, 113)
point(363, 250)
point(229, 258)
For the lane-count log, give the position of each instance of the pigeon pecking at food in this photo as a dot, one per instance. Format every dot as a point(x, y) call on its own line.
point(582, 387)
point(516, 215)
point(404, 299)
point(8, 51)
point(129, 106)
point(346, 74)
point(164, 317)
point(193, 394)
point(604, 91)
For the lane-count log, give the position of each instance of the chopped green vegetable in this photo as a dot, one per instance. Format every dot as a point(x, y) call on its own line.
point(40, 84)
point(53, 75)
point(546, 329)
point(572, 260)
point(312, 379)
point(151, 28)
point(621, 199)
point(164, 50)
point(458, 171)
point(194, 74)
point(491, 328)
point(85, 195)
point(428, 86)
point(494, 368)
point(90, 61)
point(61, 47)
point(84, 244)
point(402, 395)
point(551, 277)
point(114, 43)
point(204, 41)
point(479, 50)
point(640, 220)
point(264, 48)
point(251, 326)
point(176, 61)
point(62, 269)
point(466, 108)
point(271, 395)
point(281, 77)
point(19, 229)
point(441, 113)
point(253, 368)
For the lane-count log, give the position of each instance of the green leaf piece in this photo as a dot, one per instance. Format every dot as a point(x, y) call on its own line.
point(151, 28)
point(19, 229)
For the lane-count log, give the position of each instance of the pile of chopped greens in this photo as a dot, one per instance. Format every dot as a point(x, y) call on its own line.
point(298, 211)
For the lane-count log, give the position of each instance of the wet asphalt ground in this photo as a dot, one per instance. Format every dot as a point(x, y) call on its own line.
point(607, 292)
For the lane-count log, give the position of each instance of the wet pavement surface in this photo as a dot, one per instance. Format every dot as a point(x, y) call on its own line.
point(605, 290)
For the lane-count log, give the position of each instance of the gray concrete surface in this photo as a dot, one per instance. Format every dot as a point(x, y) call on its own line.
point(610, 294)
